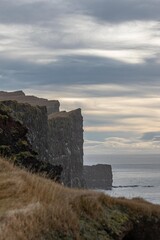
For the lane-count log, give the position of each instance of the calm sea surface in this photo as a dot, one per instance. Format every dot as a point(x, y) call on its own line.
point(137, 180)
point(133, 175)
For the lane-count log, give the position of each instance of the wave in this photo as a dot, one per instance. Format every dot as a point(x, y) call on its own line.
point(133, 186)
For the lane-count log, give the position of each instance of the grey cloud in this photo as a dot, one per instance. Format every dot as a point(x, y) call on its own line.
point(107, 10)
point(124, 10)
point(150, 136)
point(31, 12)
point(101, 136)
point(85, 71)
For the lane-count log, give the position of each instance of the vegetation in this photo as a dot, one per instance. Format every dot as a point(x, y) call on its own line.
point(35, 208)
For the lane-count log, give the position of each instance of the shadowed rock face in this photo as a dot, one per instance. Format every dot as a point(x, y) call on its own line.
point(98, 176)
point(12, 134)
point(36, 121)
point(57, 138)
point(15, 145)
point(144, 229)
point(66, 145)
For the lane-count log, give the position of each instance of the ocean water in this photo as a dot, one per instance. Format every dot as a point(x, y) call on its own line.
point(133, 175)
point(136, 180)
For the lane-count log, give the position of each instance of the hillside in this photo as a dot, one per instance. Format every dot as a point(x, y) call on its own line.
point(35, 208)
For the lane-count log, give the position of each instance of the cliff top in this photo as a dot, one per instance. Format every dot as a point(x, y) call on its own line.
point(32, 207)
point(52, 105)
point(98, 166)
point(64, 114)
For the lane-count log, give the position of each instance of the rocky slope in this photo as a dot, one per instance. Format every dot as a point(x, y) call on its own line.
point(32, 207)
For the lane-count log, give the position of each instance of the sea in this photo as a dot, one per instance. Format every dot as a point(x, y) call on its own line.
point(133, 175)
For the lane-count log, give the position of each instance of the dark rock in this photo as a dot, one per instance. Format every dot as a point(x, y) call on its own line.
point(66, 145)
point(28, 161)
point(144, 229)
point(57, 140)
point(57, 137)
point(36, 121)
point(98, 176)
point(14, 144)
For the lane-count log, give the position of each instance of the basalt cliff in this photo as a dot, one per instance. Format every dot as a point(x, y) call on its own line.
point(56, 137)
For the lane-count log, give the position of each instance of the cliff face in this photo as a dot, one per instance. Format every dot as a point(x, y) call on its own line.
point(12, 134)
point(98, 176)
point(66, 145)
point(57, 138)
point(15, 145)
point(36, 121)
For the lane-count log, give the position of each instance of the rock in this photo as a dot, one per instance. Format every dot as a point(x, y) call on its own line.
point(66, 145)
point(57, 138)
point(14, 144)
point(98, 176)
point(36, 121)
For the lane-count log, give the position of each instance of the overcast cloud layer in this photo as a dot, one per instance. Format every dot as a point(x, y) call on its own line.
point(100, 55)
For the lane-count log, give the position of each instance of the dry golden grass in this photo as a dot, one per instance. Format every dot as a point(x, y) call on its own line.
point(35, 208)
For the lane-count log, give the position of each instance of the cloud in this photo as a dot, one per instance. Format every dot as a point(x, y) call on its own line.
point(114, 145)
point(40, 11)
point(120, 11)
point(41, 44)
point(151, 136)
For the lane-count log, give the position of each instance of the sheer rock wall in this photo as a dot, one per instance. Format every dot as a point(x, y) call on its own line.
point(98, 176)
point(36, 121)
point(57, 137)
point(66, 145)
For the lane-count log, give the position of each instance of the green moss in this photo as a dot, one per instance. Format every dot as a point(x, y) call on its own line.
point(115, 221)
point(24, 155)
point(3, 117)
point(92, 230)
point(5, 150)
point(22, 144)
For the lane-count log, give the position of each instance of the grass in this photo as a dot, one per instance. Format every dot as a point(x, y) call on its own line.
point(35, 208)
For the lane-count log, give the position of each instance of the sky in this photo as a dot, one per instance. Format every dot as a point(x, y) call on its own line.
point(100, 55)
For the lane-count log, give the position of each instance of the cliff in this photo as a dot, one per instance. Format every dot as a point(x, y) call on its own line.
point(36, 121)
point(14, 144)
point(57, 137)
point(98, 176)
point(66, 135)
point(32, 207)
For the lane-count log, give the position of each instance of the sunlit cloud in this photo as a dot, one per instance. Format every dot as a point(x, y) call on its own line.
point(116, 145)
point(132, 42)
